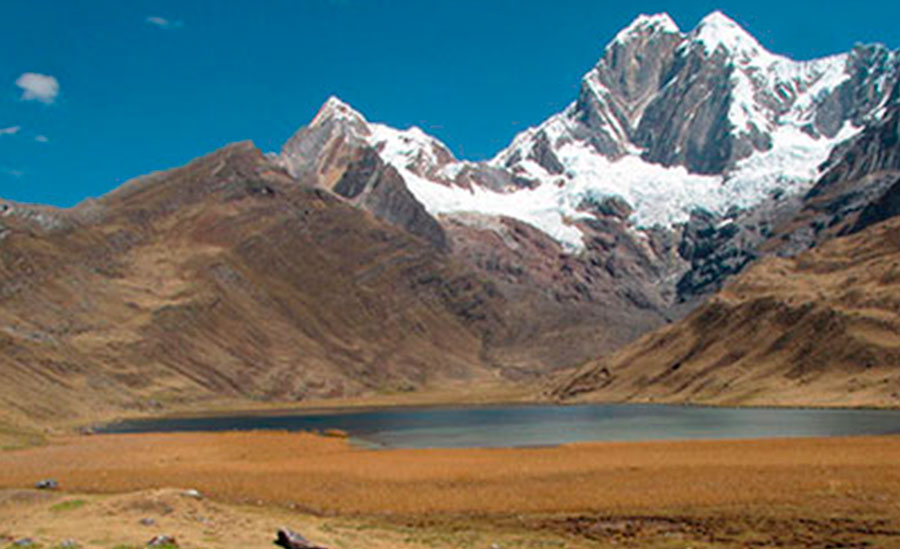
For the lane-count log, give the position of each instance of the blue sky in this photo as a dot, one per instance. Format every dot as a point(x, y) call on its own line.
point(137, 95)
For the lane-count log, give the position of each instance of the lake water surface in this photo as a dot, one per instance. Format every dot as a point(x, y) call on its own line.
point(542, 425)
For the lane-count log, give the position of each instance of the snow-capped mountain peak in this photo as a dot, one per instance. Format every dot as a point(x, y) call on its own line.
point(411, 148)
point(671, 122)
point(338, 130)
point(717, 30)
point(667, 122)
point(336, 109)
point(659, 22)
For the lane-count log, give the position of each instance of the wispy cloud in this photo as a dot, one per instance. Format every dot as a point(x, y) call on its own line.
point(38, 87)
point(41, 138)
point(164, 23)
point(18, 174)
point(12, 130)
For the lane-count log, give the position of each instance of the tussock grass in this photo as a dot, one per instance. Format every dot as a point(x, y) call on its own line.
point(326, 476)
point(68, 505)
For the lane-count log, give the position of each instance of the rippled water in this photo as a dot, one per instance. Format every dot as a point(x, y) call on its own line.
point(541, 425)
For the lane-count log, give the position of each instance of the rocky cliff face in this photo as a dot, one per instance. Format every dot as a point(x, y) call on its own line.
point(854, 192)
point(335, 151)
point(706, 99)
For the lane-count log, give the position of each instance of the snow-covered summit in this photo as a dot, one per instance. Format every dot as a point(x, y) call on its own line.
point(339, 128)
point(743, 121)
point(659, 22)
point(717, 30)
point(336, 109)
point(667, 121)
point(409, 146)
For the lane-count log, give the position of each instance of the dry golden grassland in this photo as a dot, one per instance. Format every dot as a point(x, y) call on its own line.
point(792, 492)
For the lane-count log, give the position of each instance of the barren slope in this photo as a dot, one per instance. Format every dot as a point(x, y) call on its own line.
point(225, 278)
point(822, 329)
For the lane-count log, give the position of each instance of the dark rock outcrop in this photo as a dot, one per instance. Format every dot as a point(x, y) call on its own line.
point(856, 190)
point(378, 188)
point(47, 484)
point(288, 539)
point(887, 206)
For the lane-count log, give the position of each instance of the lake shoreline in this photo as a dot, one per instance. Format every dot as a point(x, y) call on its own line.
point(522, 425)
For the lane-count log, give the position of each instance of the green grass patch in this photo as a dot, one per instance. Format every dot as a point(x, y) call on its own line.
point(68, 505)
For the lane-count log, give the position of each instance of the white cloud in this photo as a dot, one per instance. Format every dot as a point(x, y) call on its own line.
point(18, 174)
point(12, 130)
point(38, 87)
point(41, 138)
point(164, 23)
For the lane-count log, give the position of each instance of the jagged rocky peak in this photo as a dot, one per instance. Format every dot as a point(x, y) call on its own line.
point(644, 25)
point(336, 109)
point(338, 130)
point(705, 100)
point(370, 165)
point(718, 31)
point(321, 151)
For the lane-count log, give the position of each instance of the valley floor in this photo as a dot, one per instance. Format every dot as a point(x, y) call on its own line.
point(783, 492)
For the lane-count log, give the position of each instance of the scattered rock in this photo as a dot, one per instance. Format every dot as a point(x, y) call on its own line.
point(147, 522)
point(292, 540)
point(68, 544)
point(24, 542)
point(335, 433)
point(162, 541)
point(47, 484)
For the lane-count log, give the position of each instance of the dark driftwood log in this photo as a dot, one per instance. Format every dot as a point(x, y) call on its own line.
point(292, 540)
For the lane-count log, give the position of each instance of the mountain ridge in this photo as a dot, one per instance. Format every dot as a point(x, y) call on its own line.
point(533, 157)
point(602, 161)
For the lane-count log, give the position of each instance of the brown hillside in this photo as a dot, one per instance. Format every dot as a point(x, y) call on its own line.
point(225, 278)
point(819, 329)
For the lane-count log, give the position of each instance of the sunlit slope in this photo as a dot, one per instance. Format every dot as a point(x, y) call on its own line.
point(819, 329)
point(225, 278)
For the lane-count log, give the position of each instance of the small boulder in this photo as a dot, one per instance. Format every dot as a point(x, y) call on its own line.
point(162, 541)
point(192, 494)
point(147, 522)
point(335, 433)
point(47, 484)
point(288, 539)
